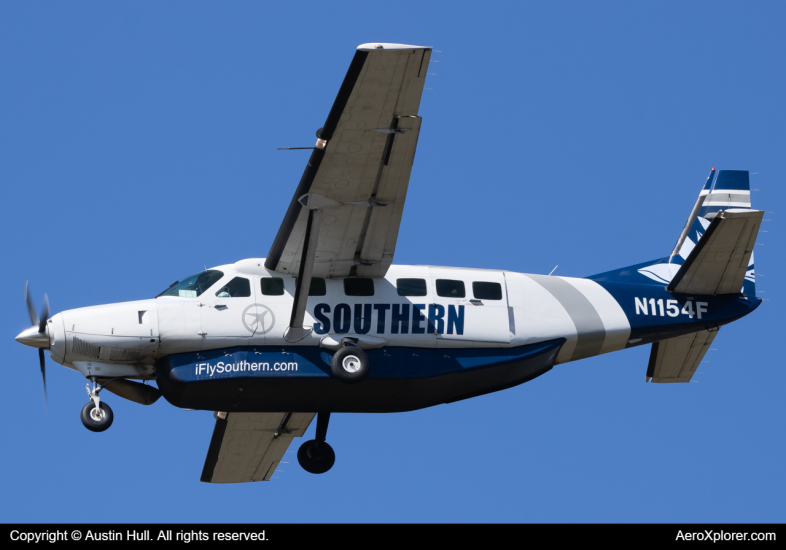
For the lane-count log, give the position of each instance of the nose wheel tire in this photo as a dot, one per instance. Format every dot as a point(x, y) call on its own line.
point(350, 364)
point(316, 457)
point(97, 420)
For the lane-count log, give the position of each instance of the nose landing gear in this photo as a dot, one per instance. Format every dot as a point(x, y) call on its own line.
point(316, 456)
point(96, 416)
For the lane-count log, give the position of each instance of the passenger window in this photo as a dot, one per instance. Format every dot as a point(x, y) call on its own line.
point(411, 287)
point(239, 287)
point(449, 288)
point(487, 291)
point(272, 286)
point(358, 286)
point(317, 288)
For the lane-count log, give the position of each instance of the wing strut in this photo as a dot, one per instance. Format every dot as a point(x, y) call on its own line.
point(296, 331)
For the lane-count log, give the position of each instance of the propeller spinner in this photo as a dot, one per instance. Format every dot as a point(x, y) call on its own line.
point(37, 335)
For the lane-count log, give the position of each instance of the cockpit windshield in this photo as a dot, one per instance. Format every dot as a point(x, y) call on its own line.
point(194, 285)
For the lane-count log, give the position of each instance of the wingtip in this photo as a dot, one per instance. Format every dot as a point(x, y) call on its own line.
point(373, 46)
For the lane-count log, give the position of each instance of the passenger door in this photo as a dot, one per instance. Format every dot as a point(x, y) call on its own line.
point(475, 305)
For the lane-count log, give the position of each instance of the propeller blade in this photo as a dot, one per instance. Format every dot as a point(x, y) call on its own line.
point(43, 373)
point(44, 315)
point(30, 308)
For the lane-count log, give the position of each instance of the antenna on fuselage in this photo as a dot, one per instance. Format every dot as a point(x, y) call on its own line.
point(555, 269)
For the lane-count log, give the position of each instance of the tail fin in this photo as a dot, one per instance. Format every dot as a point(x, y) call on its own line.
point(730, 190)
point(724, 190)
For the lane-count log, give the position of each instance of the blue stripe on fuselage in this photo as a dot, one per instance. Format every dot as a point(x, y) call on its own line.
point(651, 309)
point(314, 362)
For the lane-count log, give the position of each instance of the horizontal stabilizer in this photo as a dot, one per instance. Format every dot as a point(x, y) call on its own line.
point(719, 261)
point(249, 446)
point(676, 359)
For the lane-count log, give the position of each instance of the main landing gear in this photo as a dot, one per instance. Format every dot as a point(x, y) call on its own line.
point(350, 363)
point(96, 415)
point(316, 456)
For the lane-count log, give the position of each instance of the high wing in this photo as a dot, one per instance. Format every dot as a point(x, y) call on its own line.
point(351, 196)
point(719, 262)
point(676, 359)
point(249, 446)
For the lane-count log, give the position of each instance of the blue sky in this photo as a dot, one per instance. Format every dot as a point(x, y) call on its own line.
point(137, 145)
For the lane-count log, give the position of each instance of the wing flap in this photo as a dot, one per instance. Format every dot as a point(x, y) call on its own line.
point(379, 241)
point(676, 359)
point(718, 263)
point(249, 446)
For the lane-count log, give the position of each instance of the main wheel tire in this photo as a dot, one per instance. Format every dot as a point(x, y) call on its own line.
point(316, 457)
point(97, 420)
point(350, 363)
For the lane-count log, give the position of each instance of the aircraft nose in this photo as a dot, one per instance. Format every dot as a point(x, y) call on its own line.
point(31, 337)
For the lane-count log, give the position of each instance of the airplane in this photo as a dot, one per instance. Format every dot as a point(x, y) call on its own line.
point(326, 323)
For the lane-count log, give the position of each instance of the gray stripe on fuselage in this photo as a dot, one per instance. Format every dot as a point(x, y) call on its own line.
point(590, 330)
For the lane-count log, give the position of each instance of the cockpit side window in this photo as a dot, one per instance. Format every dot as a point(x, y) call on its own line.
point(239, 287)
point(194, 285)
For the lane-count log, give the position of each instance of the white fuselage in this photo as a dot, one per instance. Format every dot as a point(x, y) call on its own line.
point(126, 339)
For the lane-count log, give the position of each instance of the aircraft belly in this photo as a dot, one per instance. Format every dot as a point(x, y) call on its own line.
point(299, 379)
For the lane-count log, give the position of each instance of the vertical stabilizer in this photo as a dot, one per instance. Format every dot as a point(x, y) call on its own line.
point(729, 190)
point(724, 190)
point(732, 189)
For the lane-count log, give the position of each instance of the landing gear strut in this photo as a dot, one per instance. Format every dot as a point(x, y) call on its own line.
point(316, 456)
point(96, 415)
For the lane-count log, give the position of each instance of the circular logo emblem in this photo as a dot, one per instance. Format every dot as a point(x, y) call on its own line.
point(258, 319)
